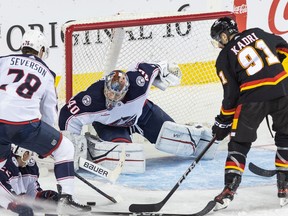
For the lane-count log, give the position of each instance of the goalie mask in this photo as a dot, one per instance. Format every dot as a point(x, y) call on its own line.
point(115, 87)
point(23, 153)
point(226, 25)
point(36, 40)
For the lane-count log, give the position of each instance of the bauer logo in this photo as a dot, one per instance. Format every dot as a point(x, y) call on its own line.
point(95, 168)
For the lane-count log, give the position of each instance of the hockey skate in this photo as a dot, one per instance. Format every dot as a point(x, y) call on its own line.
point(227, 195)
point(282, 185)
point(67, 204)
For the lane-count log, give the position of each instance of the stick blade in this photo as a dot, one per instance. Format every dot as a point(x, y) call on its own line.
point(260, 171)
point(136, 208)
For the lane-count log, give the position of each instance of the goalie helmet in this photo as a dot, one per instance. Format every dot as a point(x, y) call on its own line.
point(115, 87)
point(23, 153)
point(36, 40)
point(224, 24)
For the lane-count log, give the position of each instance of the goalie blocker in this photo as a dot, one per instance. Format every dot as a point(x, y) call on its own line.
point(185, 140)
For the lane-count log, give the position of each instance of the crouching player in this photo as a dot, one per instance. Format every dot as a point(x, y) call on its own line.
point(118, 106)
point(19, 177)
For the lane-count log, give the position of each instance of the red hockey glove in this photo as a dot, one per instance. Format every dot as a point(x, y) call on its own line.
point(48, 195)
point(21, 209)
point(221, 129)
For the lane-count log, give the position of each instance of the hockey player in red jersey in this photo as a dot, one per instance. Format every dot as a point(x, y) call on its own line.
point(255, 85)
point(19, 177)
point(28, 111)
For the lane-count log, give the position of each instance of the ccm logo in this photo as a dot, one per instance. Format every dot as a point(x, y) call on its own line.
point(95, 169)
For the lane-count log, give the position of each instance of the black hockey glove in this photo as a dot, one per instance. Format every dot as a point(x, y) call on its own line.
point(21, 209)
point(48, 195)
point(221, 129)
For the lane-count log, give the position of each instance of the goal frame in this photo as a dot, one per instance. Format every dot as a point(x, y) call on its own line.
point(75, 27)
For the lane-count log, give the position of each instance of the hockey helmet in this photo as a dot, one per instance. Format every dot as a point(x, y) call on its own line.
point(23, 153)
point(115, 87)
point(36, 40)
point(224, 24)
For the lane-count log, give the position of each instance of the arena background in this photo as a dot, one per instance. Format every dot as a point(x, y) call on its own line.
point(16, 17)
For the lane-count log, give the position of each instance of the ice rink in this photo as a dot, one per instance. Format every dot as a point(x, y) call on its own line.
point(256, 195)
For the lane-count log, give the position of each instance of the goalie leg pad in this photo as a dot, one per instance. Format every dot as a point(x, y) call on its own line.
point(107, 154)
point(180, 140)
point(203, 142)
point(185, 140)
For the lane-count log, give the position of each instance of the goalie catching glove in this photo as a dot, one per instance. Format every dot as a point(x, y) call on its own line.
point(169, 75)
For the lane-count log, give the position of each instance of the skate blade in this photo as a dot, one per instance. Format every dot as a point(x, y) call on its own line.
point(220, 206)
point(283, 201)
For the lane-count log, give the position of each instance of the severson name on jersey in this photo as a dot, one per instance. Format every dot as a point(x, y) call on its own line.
point(27, 63)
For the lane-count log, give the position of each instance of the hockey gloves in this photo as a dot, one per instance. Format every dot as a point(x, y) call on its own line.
point(21, 209)
point(221, 128)
point(48, 195)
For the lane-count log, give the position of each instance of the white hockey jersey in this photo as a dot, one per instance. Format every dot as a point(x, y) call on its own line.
point(27, 90)
point(18, 180)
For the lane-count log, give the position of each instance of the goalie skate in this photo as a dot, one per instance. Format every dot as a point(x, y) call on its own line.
point(283, 201)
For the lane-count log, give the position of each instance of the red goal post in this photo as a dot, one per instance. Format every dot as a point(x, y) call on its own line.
point(95, 47)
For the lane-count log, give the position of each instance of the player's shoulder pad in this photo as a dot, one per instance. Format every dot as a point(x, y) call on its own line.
point(31, 162)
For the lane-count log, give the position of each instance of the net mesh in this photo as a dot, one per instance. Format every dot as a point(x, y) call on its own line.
point(98, 47)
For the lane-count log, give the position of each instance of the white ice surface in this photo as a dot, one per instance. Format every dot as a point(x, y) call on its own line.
point(255, 197)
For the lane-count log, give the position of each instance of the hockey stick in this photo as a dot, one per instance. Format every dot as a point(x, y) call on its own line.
point(260, 171)
point(157, 206)
point(95, 188)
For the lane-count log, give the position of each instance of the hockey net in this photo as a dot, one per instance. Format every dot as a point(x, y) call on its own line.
point(96, 47)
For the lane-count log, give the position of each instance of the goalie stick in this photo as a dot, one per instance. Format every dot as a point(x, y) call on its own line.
point(111, 175)
point(95, 188)
point(155, 207)
point(260, 171)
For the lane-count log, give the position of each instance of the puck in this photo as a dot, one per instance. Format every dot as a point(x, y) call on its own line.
point(91, 203)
